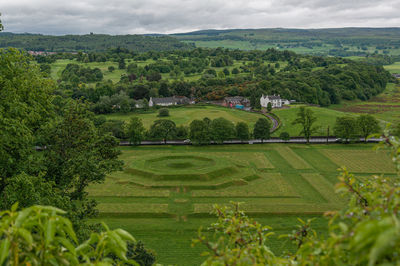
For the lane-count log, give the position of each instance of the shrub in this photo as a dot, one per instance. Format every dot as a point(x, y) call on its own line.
point(163, 112)
point(284, 136)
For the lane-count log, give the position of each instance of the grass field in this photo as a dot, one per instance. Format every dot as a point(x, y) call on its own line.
point(185, 115)
point(385, 106)
point(393, 68)
point(165, 193)
point(325, 117)
point(59, 66)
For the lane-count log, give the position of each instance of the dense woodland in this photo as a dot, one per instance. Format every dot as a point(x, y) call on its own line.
point(89, 42)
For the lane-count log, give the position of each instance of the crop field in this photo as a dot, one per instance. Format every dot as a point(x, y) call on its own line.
point(165, 193)
point(185, 115)
point(385, 106)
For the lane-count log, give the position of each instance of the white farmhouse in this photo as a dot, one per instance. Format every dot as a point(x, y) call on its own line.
point(275, 101)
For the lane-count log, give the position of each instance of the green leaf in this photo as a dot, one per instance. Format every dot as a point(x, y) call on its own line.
point(25, 234)
point(125, 235)
point(50, 231)
point(22, 216)
point(4, 250)
point(382, 245)
point(67, 244)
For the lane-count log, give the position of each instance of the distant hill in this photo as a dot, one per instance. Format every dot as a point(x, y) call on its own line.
point(90, 42)
point(335, 41)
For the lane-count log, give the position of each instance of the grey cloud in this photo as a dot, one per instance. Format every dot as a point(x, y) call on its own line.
point(166, 16)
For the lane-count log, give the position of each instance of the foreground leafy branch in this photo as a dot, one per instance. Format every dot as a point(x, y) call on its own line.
point(41, 235)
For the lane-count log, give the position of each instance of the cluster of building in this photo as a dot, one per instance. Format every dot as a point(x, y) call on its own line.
point(237, 102)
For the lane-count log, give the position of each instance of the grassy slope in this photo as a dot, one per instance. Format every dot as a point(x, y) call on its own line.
point(322, 40)
point(296, 179)
point(184, 115)
point(325, 117)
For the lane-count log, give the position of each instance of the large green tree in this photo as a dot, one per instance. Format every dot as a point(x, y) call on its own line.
point(222, 129)
point(199, 132)
point(25, 104)
point(346, 128)
point(242, 131)
point(262, 129)
point(135, 130)
point(306, 118)
point(73, 153)
point(77, 154)
point(367, 125)
point(163, 129)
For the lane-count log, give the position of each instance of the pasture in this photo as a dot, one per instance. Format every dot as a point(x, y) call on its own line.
point(184, 115)
point(385, 106)
point(165, 193)
point(325, 117)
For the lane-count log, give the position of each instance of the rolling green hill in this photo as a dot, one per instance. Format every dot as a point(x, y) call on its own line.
point(90, 42)
point(339, 41)
point(336, 41)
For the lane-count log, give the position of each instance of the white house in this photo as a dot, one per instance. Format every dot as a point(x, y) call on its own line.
point(275, 100)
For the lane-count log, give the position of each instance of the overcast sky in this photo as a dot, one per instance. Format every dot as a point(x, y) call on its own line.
point(170, 16)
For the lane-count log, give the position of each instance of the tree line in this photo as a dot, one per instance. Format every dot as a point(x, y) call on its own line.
point(347, 128)
point(89, 42)
point(200, 132)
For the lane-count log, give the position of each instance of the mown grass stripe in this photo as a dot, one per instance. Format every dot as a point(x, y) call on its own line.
point(292, 158)
point(324, 187)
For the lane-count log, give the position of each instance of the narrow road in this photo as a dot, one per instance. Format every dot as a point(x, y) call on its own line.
point(275, 122)
point(313, 140)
